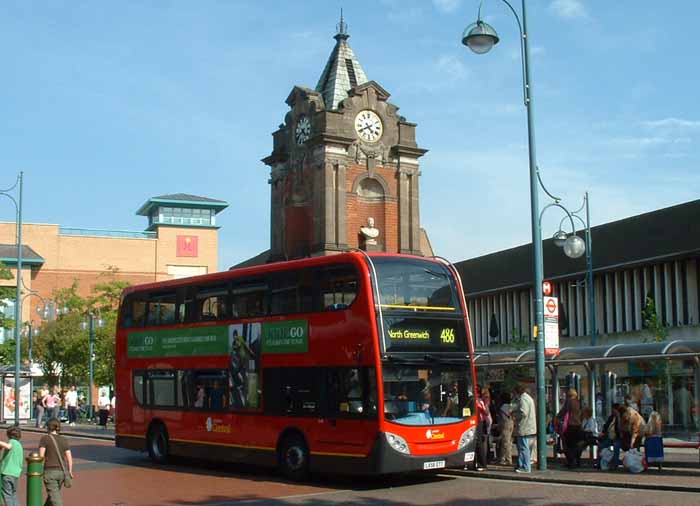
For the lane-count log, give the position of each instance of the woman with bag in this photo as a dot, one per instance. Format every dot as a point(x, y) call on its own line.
point(485, 421)
point(610, 441)
point(505, 427)
point(571, 431)
point(58, 463)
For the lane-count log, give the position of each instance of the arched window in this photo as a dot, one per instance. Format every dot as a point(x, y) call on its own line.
point(370, 188)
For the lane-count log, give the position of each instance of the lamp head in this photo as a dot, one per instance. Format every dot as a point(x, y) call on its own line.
point(560, 238)
point(480, 37)
point(574, 246)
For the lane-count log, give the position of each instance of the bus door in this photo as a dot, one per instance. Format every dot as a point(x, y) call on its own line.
point(348, 422)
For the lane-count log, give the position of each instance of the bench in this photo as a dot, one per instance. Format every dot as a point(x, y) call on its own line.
point(693, 445)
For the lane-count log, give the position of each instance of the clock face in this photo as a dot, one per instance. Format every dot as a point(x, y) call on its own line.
point(302, 132)
point(368, 126)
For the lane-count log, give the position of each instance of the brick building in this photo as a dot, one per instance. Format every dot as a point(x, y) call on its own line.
point(181, 239)
point(343, 155)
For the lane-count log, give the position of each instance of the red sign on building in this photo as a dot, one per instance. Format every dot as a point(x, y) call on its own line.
point(187, 245)
point(547, 288)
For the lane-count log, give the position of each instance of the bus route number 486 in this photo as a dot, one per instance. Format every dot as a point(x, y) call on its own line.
point(447, 336)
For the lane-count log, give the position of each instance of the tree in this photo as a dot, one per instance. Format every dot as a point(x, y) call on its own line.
point(652, 322)
point(62, 349)
point(6, 293)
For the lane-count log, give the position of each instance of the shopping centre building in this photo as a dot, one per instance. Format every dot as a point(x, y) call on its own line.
point(180, 239)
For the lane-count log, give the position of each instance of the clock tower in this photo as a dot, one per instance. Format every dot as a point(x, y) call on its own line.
point(344, 158)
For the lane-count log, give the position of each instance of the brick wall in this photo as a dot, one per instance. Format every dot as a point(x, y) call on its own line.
point(385, 212)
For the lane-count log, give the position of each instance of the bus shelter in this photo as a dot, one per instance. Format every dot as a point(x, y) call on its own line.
point(661, 376)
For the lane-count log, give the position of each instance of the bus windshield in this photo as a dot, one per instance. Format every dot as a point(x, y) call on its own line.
point(415, 285)
point(427, 394)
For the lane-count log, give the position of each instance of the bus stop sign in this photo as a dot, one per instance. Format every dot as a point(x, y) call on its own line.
point(551, 326)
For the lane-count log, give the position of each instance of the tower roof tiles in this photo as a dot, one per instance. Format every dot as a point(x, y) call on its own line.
point(342, 71)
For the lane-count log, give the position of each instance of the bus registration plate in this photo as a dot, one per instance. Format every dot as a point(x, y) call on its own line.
point(437, 464)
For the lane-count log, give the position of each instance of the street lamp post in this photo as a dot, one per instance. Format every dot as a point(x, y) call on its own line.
point(90, 325)
point(480, 37)
point(561, 238)
point(31, 333)
point(18, 294)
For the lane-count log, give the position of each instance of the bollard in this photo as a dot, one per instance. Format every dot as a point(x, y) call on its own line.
point(35, 471)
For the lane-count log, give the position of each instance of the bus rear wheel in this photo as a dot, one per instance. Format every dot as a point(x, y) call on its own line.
point(157, 444)
point(294, 458)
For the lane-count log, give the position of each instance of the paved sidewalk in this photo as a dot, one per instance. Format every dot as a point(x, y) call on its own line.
point(85, 430)
point(678, 477)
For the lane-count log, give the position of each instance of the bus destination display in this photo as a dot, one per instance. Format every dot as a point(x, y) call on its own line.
point(418, 334)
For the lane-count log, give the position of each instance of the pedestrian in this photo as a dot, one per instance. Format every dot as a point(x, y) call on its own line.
point(631, 428)
point(505, 428)
point(113, 407)
point(572, 434)
point(58, 463)
point(51, 402)
point(611, 439)
point(47, 401)
point(589, 426)
point(72, 405)
point(11, 465)
point(103, 402)
point(39, 409)
point(525, 426)
point(485, 421)
point(56, 413)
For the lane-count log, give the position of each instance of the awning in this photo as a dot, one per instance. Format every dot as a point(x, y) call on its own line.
point(671, 350)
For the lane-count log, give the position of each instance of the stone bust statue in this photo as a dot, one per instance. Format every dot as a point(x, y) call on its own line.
point(369, 232)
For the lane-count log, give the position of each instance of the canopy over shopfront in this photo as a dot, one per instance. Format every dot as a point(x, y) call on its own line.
point(598, 363)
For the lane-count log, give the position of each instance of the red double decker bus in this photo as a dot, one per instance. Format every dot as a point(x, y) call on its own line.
point(351, 363)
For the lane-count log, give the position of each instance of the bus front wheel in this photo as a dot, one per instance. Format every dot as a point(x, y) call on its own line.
point(158, 444)
point(294, 458)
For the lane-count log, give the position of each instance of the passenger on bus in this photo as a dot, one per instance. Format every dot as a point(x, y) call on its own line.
point(200, 396)
point(216, 396)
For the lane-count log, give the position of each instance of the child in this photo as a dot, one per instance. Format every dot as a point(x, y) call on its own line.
point(11, 465)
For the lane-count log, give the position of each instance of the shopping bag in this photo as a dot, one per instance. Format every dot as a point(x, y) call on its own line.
point(633, 461)
point(606, 456)
point(654, 449)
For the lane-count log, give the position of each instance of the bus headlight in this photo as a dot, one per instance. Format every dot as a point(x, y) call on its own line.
point(397, 443)
point(467, 437)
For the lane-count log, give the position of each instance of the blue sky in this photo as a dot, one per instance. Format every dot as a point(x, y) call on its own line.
point(106, 104)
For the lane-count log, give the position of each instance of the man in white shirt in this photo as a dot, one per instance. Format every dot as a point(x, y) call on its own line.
point(103, 403)
point(72, 405)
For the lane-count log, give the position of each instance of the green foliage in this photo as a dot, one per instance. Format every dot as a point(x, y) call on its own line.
point(652, 322)
point(6, 292)
point(62, 348)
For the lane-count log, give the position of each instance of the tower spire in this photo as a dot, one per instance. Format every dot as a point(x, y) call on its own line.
point(342, 71)
point(341, 28)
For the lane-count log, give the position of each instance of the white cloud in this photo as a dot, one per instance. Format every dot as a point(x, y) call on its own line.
point(672, 123)
point(649, 141)
point(569, 9)
point(446, 5)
